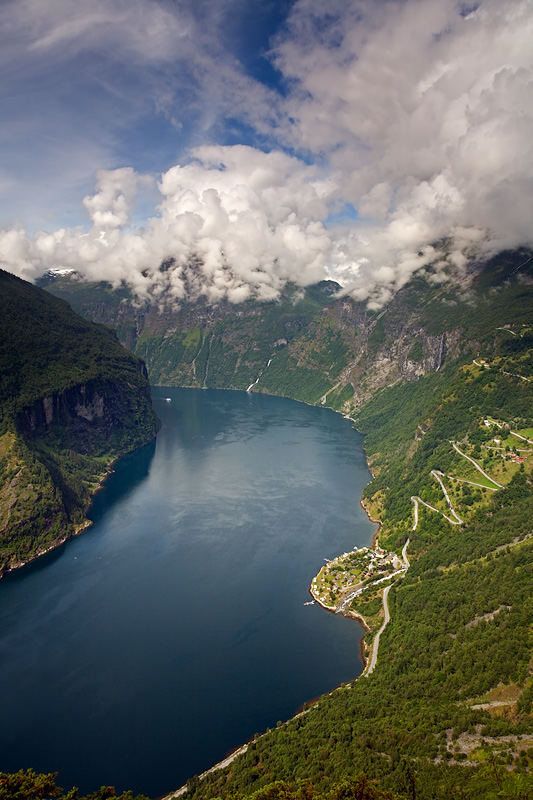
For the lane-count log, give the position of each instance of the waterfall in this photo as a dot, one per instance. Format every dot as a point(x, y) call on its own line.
point(249, 389)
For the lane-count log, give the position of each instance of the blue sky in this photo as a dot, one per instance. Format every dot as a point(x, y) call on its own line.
point(268, 139)
point(95, 87)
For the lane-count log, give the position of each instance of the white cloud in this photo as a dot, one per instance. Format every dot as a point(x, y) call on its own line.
point(236, 221)
point(426, 116)
point(419, 113)
point(111, 206)
point(108, 84)
point(145, 30)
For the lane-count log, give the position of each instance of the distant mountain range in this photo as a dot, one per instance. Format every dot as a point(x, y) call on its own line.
point(312, 344)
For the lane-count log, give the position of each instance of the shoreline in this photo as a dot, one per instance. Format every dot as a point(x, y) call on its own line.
point(375, 536)
point(378, 522)
point(365, 651)
point(77, 529)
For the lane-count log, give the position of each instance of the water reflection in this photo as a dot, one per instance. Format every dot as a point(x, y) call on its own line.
point(128, 473)
point(175, 628)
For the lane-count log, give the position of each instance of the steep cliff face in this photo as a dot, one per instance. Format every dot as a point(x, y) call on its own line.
point(91, 414)
point(71, 400)
point(314, 344)
point(392, 346)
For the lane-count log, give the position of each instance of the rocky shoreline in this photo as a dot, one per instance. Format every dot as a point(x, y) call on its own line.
point(64, 538)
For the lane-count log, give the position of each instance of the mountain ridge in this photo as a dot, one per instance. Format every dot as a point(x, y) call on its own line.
point(311, 343)
point(71, 401)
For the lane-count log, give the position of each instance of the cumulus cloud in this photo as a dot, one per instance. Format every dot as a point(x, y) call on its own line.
point(425, 111)
point(416, 114)
point(112, 83)
point(235, 222)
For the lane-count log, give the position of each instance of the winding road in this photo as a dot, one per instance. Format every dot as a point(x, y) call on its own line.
point(477, 465)
point(221, 764)
point(416, 500)
point(437, 475)
point(375, 644)
point(404, 554)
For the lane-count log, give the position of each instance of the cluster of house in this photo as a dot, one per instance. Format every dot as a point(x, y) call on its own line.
point(518, 459)
point(380, 562)
point(375, 561)
point(512, 456)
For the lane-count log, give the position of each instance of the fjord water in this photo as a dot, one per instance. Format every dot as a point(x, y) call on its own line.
point(140, 653)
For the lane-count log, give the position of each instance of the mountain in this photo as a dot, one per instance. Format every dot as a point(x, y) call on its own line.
point(314, 344)
point(71, 400)
point(441, 382)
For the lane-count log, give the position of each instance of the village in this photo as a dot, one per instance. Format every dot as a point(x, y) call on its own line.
point(352, 571)
point(346, 576)
point(498, 443)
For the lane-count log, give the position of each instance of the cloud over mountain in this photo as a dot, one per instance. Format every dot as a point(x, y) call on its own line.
point(392, 125)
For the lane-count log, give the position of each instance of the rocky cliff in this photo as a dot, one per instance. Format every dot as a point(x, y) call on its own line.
point(71, 400)
point(315, 344)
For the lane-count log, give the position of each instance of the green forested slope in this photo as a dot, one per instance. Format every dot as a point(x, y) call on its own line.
point(460, 635)
point(312, 344)
point(71, 400)
point(228, 346)
point(447, 712)
point(449, 705)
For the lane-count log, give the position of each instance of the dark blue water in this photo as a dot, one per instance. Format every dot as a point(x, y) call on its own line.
point(139, 653)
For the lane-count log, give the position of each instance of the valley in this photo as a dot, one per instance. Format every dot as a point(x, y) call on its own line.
point(432, 379)
point(439, 381)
